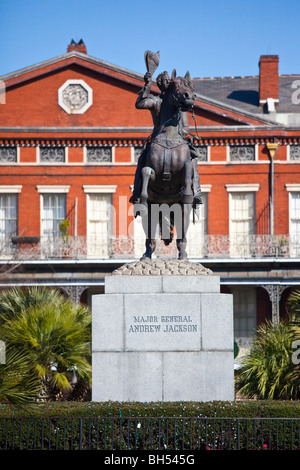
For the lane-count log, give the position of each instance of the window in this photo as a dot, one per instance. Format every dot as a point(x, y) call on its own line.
point(244, 308)
point(53, 213)
point(294, 218)
point(295, 152)
point(52, 155)
point(100, 216)
point(242, 153)
point(99, 155)
point(99, 224)
point(8, 216)
point(294, 229)
point(203, 153)
point(137, 153)
point(75, 96)
point(8, 155)
point(241, 222)
point(295, 214)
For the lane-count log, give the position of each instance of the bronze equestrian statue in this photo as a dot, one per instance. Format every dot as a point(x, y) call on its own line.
point(167, 172)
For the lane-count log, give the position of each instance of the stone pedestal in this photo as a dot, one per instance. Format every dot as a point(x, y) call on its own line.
point(162, 337)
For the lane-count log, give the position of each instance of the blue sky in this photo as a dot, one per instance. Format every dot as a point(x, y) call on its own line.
point(209, 38)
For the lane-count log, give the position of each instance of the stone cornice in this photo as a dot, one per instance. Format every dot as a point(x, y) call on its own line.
point(115, 141)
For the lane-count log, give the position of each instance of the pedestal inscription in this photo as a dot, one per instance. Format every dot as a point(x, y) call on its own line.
point(152, 328)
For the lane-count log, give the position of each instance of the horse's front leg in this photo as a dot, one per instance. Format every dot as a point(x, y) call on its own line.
point(149, 226)
point(181, 241)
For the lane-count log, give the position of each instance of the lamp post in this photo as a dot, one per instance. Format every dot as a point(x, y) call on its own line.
point(272, 148)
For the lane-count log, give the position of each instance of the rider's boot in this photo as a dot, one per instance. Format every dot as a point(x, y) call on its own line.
point(196, 185)
point(138, 179)
point(147, 173)
point(187, 195)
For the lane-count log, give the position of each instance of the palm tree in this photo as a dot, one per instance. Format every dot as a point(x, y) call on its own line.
point(17, 386)
point(268, 371)
point(54, 333)
point(293, 304)
point(16, 300)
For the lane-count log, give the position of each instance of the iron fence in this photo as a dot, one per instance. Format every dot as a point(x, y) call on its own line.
point(149, 433)
point(113, 247)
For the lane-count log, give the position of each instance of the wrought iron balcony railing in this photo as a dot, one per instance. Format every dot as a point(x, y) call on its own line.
point(210, 247)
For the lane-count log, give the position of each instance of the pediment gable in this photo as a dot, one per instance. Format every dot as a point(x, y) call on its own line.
point(33, 97)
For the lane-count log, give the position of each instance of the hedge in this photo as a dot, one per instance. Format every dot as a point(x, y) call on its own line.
point(239, 409)
point(181, 425)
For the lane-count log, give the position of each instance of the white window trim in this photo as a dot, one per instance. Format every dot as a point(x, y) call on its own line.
point(238, 188)
point(293, 187)
point(205, 188)
point(53, 189)
point(100, 189)
point(9, 189)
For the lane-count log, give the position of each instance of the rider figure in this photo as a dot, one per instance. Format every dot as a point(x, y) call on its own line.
point(146, 100)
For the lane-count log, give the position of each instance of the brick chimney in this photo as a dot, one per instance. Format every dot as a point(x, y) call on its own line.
point(268, 79)
point(77, 46)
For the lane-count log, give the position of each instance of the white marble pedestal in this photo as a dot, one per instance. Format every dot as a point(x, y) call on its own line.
point(162, 338)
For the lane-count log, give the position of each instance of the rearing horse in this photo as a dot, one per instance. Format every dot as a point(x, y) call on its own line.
point(168, 171)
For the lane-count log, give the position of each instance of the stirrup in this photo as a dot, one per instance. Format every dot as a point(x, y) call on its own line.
point(197, 200)
point(134, 199)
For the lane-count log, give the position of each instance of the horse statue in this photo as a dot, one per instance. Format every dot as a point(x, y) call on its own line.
point(168, 171)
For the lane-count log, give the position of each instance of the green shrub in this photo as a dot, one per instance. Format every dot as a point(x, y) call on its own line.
point(268, 371)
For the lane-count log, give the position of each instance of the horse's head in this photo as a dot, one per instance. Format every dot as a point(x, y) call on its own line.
point(181, 91)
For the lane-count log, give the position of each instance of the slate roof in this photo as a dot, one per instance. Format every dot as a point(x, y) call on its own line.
point(243, 92)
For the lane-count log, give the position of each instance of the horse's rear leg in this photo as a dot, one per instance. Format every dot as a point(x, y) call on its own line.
point(187, 195)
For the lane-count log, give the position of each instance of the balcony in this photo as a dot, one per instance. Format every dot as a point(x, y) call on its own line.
point(91, 248)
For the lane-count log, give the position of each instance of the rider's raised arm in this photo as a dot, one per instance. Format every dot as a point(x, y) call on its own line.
point(185, 123)
point(145, 100)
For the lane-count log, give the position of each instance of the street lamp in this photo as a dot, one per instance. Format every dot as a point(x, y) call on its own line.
point(272, 147)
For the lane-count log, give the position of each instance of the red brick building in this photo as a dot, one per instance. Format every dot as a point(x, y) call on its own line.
point(70, 136)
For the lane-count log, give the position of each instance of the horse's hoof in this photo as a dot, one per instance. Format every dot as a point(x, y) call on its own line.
point(145, 257)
